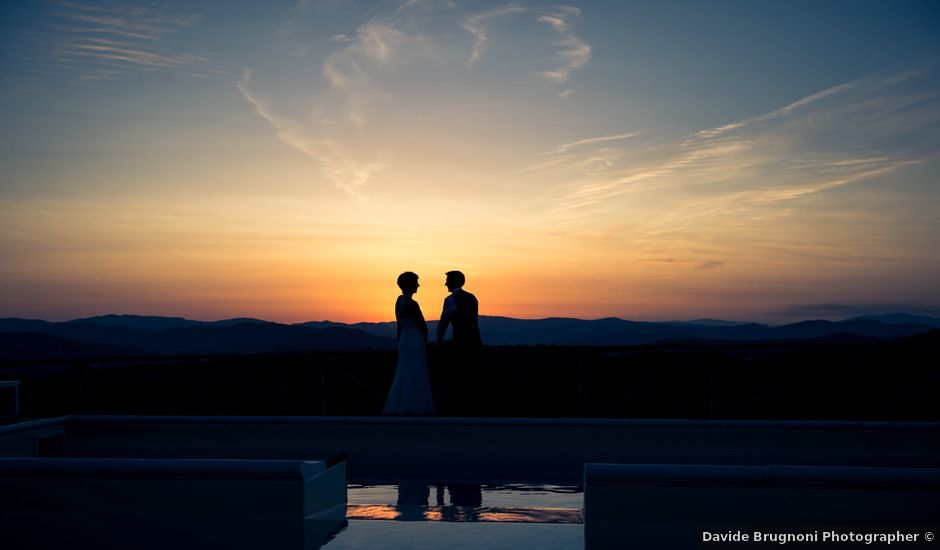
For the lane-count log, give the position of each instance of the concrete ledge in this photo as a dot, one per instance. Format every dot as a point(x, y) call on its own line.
point(461, 421)
point(834, 477)
point(383, 449)
point(157, 468)
point(672, 505)
point(169, 503)
point(33, 425)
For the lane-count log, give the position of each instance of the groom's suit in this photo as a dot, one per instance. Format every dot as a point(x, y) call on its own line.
point(461, 310)
point(464, 315)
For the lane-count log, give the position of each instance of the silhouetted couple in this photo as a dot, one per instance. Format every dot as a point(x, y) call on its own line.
point(411, 389)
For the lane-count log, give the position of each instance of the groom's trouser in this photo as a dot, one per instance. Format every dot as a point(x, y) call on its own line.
point(467, 390)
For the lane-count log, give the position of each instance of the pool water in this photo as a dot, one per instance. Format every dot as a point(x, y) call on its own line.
point(424, 515)
point(427, 535)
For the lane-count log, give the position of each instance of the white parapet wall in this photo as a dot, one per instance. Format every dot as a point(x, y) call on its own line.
point(700, 506)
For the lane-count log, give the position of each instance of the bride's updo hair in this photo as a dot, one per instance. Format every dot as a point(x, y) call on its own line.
point(407, 280)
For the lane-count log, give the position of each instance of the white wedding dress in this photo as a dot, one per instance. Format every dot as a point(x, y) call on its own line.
point(411, 390)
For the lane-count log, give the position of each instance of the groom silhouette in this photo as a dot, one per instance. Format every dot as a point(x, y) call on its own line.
point(461, 310)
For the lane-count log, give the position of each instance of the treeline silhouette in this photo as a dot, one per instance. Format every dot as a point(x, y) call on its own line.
point(896, 380)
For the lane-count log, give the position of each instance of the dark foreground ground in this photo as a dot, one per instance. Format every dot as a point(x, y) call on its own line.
point(897, 380)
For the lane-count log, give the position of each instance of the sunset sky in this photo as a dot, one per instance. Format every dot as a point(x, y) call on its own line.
point(747, 160)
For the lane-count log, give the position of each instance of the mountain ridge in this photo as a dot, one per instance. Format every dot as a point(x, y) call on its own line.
point(123, 335)
point(177, 335)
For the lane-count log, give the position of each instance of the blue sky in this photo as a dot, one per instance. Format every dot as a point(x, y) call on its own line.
point(645, 160)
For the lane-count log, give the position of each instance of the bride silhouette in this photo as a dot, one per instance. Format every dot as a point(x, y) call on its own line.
point(411, 389)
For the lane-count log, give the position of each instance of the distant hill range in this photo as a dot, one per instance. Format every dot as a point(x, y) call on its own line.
point(124, 335)
point(617, 332)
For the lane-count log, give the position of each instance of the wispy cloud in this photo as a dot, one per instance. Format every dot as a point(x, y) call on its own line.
point(329, 129)
point(378, 47)
point(572, 53)
point(359, 77)
point(128, 55)
point(478, 26)
point(781, 112)
point(869, 82)
point(338, 165)
point(841, 135)
point(106, 40)
point(565, 147)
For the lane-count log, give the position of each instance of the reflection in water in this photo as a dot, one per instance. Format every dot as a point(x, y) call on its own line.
point(463, 502)
point(509, 495)
point(413, 493)
point(412, 499)
point(463, 514)
point(465, 494)
point(529, 515)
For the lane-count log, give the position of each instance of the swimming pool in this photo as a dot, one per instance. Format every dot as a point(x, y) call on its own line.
point(365, 534)
point(426, 514)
